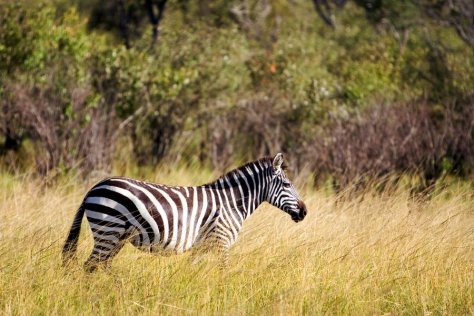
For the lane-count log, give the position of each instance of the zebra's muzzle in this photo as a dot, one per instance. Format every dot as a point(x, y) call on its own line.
point(302, 211)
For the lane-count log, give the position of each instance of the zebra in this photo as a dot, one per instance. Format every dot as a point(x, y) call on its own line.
point(172, 219)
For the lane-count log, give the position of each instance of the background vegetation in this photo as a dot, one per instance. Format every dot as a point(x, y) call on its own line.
point(366, 96)
point(388, 90)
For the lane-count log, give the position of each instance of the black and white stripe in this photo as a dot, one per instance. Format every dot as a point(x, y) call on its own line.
point(161, 218)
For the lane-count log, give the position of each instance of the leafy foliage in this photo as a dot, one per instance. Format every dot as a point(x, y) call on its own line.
point(229, 80)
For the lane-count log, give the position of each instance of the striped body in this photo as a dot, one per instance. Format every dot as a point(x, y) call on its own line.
point(157, 217)
point(160, 218)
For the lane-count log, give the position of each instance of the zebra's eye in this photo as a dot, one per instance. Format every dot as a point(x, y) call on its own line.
point(286, 184)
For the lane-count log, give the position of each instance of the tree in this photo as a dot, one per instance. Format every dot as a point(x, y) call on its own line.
point(458, 14)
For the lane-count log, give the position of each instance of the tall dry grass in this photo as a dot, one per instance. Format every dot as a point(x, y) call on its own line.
point(380, 254)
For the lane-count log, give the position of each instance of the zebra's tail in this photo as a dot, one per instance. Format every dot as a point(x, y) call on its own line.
point(70, 246)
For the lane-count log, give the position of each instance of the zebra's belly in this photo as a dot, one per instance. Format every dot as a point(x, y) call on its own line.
point(204, 239)
point(171, 247)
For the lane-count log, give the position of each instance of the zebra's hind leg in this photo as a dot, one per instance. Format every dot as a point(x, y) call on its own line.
point(106, 246)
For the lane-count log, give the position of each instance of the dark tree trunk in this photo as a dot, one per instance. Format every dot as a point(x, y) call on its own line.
point(155, 17)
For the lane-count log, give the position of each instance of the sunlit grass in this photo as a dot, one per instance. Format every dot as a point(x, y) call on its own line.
point(380, 254)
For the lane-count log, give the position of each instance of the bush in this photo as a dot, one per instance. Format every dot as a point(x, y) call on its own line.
point(46, 93)
point(215, 90)
point(403, 138)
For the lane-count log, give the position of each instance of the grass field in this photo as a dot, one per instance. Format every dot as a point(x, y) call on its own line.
point(384, 254)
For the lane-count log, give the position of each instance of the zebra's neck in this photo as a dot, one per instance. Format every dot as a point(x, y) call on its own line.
point(244, 188)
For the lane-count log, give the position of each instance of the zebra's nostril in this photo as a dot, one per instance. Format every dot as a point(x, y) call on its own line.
point(302, 208)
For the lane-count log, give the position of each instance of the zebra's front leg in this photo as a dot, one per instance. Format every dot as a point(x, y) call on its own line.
point(223, 236)
point(217, 246)
point(214, 247)
point(224, 256)
point(224, 242)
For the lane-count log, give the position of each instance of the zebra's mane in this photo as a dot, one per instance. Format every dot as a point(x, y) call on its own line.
point(266, 161)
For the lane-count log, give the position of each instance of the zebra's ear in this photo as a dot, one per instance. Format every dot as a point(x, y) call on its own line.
point(278, 161)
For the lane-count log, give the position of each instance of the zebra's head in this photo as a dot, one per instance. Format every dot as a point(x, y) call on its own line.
point(282, 193)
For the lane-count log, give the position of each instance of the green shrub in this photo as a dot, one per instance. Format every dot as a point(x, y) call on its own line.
point(219, 85)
